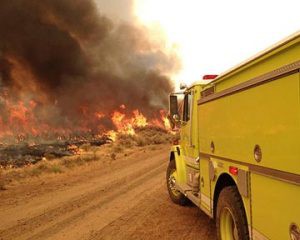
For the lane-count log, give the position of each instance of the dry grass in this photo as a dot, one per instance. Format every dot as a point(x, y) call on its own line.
point(145, 136)
point(86, 147)
point(79, 160)
point(149, 135)
point(54, 166)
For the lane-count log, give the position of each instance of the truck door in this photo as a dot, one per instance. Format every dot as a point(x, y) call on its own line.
point(197, 169)
point(188, 138)
point(188, 141)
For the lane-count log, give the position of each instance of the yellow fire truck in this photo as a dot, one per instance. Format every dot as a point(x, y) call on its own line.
point(238, 157)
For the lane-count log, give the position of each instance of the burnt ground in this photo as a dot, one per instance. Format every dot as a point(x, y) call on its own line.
point(19, 155)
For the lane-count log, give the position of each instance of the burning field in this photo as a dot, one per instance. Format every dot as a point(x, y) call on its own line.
point(70, 75)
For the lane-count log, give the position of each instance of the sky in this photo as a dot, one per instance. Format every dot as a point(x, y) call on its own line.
point(211, 36)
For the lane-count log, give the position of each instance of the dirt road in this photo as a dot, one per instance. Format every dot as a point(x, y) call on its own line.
point(122, 199)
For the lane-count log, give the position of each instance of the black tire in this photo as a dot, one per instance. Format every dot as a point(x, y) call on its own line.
point(231, 217)
point(176, 196)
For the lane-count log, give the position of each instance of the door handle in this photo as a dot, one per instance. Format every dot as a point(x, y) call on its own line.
point(202, 182)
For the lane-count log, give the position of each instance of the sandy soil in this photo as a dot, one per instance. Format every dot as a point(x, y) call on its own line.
point(123, 199)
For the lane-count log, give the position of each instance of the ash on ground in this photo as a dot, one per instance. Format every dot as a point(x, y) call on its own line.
point(22, 154)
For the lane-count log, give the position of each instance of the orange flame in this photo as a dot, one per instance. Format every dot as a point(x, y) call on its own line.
point(126, 125)
point(23, 122)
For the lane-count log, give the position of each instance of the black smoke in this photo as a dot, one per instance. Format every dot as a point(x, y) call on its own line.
point(80, 62)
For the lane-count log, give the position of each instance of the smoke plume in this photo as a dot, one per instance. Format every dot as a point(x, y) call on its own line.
point(61, 61)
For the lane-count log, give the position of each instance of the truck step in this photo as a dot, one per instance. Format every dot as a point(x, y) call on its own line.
point(188, 192)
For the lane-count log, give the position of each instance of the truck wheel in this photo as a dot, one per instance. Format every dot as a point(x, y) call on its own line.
point(176, 196)
point(231, 217)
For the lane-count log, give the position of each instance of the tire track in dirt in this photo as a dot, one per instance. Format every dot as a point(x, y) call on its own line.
point(101, 217)
point(111, 195)
point(26, 227)
point(156, 217)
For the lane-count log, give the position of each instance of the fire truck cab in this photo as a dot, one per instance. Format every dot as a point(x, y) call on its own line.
point(238, 158)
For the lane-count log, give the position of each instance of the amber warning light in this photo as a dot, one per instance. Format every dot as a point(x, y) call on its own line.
point(210, 77)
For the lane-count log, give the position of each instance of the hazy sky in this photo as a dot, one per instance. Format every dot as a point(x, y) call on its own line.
point(213, 35)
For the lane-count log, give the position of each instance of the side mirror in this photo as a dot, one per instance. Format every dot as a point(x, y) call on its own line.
point(174, 115)
point(173, 105)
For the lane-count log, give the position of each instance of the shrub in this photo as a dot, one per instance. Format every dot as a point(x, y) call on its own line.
point(126, 140)
point(56, 169)
point(72, 162)
point(43, 166)
point(152, 135)
point(88, 158)
point(2, 182)
point(117, 148)
point(144, 136)
point(158, 139)
point(49, 156)
point(142, 141)
point(113, 156)
point(35, 172)
point(68, 162)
